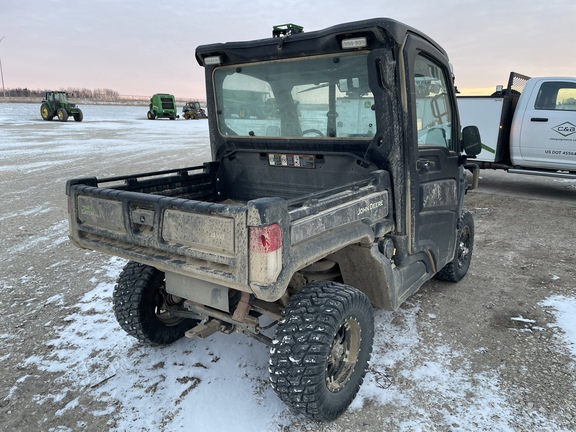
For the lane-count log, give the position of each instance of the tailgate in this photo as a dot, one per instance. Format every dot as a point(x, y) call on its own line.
point(191, 237)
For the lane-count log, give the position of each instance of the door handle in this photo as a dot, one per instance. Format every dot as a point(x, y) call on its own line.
point(423, 166)
point(539, 119)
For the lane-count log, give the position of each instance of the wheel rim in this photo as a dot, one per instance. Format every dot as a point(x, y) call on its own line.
point(44, 112)
point(464, 246)
point(343, 355)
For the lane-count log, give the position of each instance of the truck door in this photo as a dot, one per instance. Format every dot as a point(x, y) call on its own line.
point(433, 137)
point(544, 132)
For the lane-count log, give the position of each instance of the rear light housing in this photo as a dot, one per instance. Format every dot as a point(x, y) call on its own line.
point(265, 245)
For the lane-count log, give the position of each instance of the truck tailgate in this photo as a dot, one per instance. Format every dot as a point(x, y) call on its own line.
point(140, 225)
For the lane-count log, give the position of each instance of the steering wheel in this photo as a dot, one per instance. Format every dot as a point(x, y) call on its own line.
point(315, 131)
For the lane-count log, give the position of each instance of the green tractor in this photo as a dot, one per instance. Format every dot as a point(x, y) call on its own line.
point(56, 103)
point(162, 105)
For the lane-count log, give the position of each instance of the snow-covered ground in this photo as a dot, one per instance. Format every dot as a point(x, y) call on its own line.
point(221, 383)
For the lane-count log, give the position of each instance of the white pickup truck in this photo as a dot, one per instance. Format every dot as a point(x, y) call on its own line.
point(527, 128)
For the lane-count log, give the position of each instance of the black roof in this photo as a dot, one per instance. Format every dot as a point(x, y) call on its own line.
point(378, 30)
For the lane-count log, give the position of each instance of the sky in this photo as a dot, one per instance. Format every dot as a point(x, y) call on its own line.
point(144, 47)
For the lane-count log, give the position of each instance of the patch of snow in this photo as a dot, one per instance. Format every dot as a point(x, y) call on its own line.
point(565, 314)
point(522, 319)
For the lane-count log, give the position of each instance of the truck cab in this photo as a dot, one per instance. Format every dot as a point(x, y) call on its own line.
point(356, 95)
point(543, 133)
point(527, 127)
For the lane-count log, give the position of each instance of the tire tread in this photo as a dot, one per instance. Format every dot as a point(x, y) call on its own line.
point(302, 341)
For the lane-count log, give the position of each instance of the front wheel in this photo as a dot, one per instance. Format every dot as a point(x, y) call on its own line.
point(321, 349)
point(62, 114)
point(151, 115)
point(140, 306)
point(458, 267)
point(78, 116)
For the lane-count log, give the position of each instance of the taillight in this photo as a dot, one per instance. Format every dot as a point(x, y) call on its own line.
point(265, 239)
point(265, 253)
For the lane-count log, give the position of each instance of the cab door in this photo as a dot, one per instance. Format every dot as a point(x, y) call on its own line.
point(436, 179)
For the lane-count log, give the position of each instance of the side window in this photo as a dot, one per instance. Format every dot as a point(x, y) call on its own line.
point(556, 96)
point(433, 110)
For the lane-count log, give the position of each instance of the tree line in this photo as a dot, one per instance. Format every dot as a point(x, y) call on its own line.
point(80, 93)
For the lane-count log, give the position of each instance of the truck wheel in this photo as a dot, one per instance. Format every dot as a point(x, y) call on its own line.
point(62, 114)
point(321, 349)
point(458, 267)
point(139, 306)
point(78, 116)
point(45, 112)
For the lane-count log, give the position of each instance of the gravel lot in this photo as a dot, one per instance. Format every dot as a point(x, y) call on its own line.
point(494, 327)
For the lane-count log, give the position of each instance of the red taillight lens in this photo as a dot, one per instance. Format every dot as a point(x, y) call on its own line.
point(265, 239)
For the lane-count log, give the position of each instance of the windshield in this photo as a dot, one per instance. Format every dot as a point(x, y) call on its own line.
point(314, 97)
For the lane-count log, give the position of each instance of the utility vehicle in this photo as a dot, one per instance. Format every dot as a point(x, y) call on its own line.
point(349, 196)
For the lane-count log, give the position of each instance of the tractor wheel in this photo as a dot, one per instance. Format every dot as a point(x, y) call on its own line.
point(62, 114)
point(244, 112)
point(140, 301)
point(458, 267)
point(321, 349)
point(45, 112)
point(78, 116)
point(151, 115)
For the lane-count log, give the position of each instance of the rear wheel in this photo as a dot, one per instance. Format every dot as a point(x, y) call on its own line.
point(321, 349)
point(458, 267)
point(46, 112)
point(140, 306)
point(62, 114)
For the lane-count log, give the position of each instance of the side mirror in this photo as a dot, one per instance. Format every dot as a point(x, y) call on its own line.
point(471, 140)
